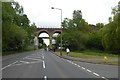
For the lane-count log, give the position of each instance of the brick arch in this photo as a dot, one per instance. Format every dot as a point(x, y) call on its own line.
point(57, 31)
point(43, 31)
point(49, 31)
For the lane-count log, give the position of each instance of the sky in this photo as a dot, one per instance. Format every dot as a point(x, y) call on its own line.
point(40, 12)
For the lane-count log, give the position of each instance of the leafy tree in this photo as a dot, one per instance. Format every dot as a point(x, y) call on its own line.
point(99, 26)
point(95, 41)
point(75, 33)
point(16, 31)
point(78, 34)
point(111, 37)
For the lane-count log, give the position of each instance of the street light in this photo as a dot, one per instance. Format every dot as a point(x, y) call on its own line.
point(61, 28)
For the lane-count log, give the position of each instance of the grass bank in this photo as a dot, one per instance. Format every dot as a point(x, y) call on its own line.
point(90, 54)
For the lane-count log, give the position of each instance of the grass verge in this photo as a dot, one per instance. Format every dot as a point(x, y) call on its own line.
point(112, 59)
point(90, 54)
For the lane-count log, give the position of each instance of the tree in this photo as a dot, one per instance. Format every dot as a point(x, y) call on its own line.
point(95, 41)
point(75, 34)
point(111, 32)
point(16, 31)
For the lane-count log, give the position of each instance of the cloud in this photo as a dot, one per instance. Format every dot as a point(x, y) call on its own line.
point(40, 12)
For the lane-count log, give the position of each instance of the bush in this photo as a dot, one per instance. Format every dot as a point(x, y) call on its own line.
point(14, 37)
point(95, 41)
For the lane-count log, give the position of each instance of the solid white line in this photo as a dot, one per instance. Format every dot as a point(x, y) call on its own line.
point(83, 68)
point(89, 70)
point(32, 58)
point(34, 62)
point(25, 62)
point(26, 57)
point(96, 74)
point(45, 77)
point(9, 65)
point(43, 64)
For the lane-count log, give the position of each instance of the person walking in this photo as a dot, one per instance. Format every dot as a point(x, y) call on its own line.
point(67, 50)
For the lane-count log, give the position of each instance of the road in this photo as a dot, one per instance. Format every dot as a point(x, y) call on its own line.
point(45, 65)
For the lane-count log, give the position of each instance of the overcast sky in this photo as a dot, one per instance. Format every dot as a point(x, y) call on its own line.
point(40, 12)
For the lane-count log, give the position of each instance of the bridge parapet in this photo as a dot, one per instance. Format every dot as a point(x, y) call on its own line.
point(49, 31)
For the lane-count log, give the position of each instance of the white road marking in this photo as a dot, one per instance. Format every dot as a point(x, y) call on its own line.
point(45, 77)
point(86, 69)
point(42, 57)
point(103, 77)
point(83, 68)
point(9, 65)
point(33, 58)
point(96, 74)
point(26, 57)
point(25, 62)
point(43, 64)
point(72, 62)
point(34, 62)
point(89, 70)
point(75, 64)
point(68, 60)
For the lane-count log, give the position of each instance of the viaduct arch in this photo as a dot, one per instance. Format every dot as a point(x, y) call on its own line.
point(49, 31)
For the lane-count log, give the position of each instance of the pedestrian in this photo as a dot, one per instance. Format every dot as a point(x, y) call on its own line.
point(67, 50)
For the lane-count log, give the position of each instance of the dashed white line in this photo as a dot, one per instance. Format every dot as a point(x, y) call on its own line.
point(103, 77)
point(79, 66)
point(72, 62)
point(96, 74)
point(75, 64)
point(45, 77)
point(89, 70)
point(83, 68)
point(43, 64)
point(9, 65)
point(42, 57)
point(68, 60)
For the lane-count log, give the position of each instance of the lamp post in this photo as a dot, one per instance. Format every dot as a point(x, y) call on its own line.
point(61, 28)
